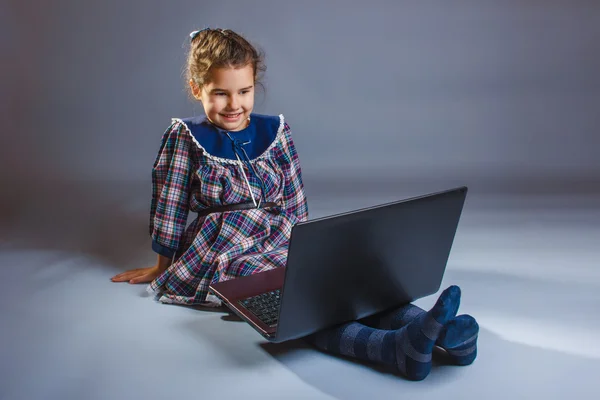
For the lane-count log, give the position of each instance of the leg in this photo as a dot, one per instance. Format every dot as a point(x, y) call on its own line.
point(458, 337)
point(409, 348)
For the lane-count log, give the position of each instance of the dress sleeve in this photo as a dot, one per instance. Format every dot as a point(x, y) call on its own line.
point(171, 180)
point(294, 198)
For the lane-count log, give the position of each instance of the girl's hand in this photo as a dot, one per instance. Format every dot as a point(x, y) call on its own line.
point(139, 275)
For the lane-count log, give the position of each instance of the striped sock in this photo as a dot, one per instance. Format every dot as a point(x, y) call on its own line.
point(458, 337)
point(408, 348)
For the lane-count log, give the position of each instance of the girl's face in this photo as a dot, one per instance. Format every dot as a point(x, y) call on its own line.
point(228, 99)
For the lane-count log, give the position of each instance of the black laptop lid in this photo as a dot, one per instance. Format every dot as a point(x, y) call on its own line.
point(352, 265)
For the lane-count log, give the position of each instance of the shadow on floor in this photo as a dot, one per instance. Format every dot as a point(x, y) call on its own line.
point(505, 369)
point(108, 223)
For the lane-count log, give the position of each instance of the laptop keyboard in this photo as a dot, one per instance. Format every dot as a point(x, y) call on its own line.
point(265, 306)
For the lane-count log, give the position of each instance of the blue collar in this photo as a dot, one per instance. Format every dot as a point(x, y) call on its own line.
point(257, 136)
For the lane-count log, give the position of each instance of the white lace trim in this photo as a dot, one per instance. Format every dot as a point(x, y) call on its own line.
point(278, 139)
point(212, 301)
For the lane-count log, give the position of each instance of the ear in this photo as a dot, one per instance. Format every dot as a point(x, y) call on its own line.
point(195, 90)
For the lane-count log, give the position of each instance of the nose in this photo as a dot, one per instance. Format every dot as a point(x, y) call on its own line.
point(234, 102)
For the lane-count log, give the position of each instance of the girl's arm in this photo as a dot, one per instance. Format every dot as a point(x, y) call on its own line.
point(171, 181)
point(294, 197)
point(163, 263)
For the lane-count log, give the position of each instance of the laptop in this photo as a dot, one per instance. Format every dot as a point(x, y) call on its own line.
point(349, 266)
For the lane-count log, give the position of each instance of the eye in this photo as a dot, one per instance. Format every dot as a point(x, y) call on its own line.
point(220, 94)
point(245, 91)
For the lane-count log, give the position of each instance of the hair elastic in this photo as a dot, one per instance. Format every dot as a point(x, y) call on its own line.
point(195, 33)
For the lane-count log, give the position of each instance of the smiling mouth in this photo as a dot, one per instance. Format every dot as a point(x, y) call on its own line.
point(231, 116)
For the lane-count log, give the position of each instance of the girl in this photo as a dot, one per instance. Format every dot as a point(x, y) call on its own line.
point(241, 173)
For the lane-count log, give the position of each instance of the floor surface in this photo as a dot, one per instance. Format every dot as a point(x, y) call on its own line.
point(528, 267)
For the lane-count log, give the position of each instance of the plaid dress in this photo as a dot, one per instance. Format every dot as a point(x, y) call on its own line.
point(188, 176)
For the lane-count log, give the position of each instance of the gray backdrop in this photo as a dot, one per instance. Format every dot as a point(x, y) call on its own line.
point(386, 99)
point(495, 95)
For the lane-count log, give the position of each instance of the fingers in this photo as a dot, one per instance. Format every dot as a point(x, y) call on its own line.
point(128, 272)
point(128, 275)
point(138, 275)
point(142, 279)
point(123, 277)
